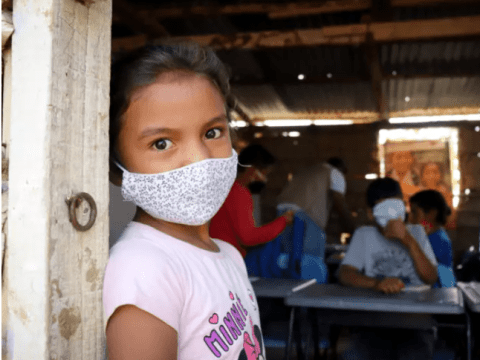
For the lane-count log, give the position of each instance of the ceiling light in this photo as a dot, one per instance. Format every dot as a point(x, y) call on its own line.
point(467, 191)
point(294, 134)
point(394, 73)
point(238, 123)
point(477, 128)
point(433, 118)
point(292, 122)
point(329, 75)
point(371, 176)
point(329, 122)
point(407, 98)
point(301, 76)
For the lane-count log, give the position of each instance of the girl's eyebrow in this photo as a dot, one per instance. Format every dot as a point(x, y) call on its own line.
point(151, 131)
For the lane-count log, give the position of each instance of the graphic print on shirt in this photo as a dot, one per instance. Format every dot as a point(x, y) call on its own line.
point(237, 325)
point(395, 263)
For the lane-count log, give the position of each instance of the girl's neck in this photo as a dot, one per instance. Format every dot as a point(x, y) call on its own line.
point(195, 235)
point(432, 227)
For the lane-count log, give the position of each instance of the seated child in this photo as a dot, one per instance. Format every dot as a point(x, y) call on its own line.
point(429, 209)
point(386, 258)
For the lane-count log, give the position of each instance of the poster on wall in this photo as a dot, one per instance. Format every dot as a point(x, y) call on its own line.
point(422, 159)
point(420, 165)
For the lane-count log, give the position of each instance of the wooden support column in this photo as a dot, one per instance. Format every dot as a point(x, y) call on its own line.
point(59, 147)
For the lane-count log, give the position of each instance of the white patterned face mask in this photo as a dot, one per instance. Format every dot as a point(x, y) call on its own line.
point(190, 195)
point(388, 210)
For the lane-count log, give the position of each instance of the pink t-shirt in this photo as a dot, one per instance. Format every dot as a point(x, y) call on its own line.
point(205, 296)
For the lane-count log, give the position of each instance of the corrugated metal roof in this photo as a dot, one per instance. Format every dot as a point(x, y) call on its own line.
point(275, 102)
point(407, 94)
point(430, 74)
point(431, 57)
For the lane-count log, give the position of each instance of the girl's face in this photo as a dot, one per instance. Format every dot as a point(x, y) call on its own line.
point(178, 120)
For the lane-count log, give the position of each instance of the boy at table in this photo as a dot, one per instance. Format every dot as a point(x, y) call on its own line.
point(388, 257)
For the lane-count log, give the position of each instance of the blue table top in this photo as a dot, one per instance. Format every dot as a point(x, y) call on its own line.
point(471, 292)
point(338, 297)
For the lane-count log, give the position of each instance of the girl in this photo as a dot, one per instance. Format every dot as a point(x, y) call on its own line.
point(170, 291)
point(430, 209)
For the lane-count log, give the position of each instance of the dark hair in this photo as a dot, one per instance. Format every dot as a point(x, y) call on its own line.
point(338, 163)
point(432, 200)
point(382, 188)
point(256, 155)
point(142, 67)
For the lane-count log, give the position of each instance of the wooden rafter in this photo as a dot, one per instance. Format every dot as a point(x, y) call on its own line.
point(274, 10)
point(383, 32)
point(290, 9)
point(138, 21)
point(381, 10)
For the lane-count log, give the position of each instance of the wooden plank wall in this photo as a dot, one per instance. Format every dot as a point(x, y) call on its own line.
point(59, 147)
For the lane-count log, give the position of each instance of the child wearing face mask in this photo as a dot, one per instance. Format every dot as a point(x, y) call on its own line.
point(171, 291)
point(234, 222)
point(387, 257)
point(429, 209)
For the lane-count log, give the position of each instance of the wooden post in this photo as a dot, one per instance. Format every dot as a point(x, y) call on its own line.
point(58, 147)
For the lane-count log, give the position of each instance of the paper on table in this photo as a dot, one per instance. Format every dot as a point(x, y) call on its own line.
point(304, 285)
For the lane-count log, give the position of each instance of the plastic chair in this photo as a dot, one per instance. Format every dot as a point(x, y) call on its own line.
point(446, 277)
point(297, 253)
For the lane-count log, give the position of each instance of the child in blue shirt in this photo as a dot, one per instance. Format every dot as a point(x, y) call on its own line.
point(430, 209)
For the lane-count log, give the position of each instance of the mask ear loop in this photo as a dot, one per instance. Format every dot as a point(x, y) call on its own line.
point(118, 165)
point(245, 166)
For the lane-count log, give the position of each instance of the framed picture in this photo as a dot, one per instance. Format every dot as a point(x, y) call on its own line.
point(421, 159)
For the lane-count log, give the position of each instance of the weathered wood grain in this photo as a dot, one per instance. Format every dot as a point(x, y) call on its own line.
point(59, 147)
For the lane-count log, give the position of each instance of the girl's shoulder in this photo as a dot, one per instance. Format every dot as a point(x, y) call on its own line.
point(141, 243)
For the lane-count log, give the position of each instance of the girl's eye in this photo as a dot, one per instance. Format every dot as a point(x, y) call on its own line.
point(213, 133)
point(162, 144)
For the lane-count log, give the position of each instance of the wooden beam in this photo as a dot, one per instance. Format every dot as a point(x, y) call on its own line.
point(426, 29)
point(276, 11)
point(466, 26)
point(257, 40)
point(427, 3)
point(128, 43)
point(138, 21)
point(292, 10)
point(58, 147)
point(381, 9)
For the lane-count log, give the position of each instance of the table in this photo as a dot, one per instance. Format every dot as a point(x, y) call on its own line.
point(341, 305)
point(471, 292)
point(280, 289)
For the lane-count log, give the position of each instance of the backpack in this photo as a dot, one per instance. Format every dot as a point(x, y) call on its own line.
point(297, 253)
